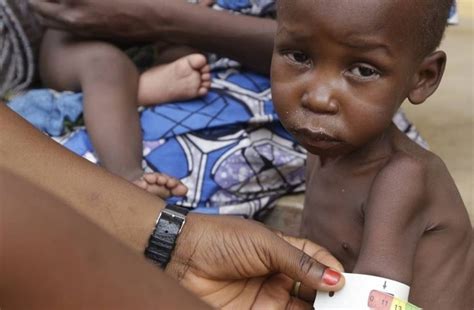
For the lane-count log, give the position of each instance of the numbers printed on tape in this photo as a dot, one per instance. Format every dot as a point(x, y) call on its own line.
point(382, 301)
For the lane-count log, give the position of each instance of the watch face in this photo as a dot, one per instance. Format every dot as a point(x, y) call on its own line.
point(169, 225)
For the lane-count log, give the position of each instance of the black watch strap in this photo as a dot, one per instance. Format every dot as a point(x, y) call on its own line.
point(163, 239)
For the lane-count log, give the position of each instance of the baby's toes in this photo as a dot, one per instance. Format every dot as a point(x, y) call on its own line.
point(162, 180)
point(176, 187)
point(172, 182)
point(159, 191)
point(202, 91)
point(141, 183)
point(155, 178)
point(179, 190)
point(205, 69)
point(205, 77)
point(206, 84)
point(150, 178)
point(197, 61)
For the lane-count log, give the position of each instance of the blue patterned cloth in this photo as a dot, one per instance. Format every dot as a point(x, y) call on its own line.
point(227, 147)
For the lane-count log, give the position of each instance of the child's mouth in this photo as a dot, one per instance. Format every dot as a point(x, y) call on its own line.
point(317, 138)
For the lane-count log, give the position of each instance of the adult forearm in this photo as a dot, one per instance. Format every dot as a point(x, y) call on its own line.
point(51, 181)
point(53, 258)
point(112, 203)
point(246, 39)
point(243, 38)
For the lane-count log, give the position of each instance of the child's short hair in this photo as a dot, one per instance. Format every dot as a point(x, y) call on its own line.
point(433, 21)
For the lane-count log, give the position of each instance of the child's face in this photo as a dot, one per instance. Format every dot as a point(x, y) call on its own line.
point(340, 70)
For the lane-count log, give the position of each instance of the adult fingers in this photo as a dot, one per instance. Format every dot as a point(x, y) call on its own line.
point(55, 15)
point(315, 251)
point(300, 266)
point(318, 253)
point(48, 23)
point(307, 293)
point(284, 284)
point(47, 9)
point(298, 304)
point(275, 292)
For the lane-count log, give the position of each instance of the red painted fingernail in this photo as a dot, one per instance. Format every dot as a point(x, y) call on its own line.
point(331, 276)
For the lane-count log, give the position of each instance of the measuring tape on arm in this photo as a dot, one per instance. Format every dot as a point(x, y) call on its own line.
point(366, 292)
point(383, 301)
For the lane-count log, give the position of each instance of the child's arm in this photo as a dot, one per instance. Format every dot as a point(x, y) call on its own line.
point(394, 220)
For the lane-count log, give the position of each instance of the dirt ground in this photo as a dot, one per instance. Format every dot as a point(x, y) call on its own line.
point(446, 120)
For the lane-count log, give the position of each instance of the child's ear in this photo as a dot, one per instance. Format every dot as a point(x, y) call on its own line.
point(428, 77)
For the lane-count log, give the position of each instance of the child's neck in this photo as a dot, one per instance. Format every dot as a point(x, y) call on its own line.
point(376, 149)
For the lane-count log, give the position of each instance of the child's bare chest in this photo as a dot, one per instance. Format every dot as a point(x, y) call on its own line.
point(334, 212)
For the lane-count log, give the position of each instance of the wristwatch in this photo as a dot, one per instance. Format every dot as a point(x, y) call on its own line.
point(163, 239)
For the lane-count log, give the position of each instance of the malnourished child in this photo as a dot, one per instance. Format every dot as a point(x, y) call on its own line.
point(380, 203)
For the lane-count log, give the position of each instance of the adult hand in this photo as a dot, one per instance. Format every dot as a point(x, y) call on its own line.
point(246, 39)
point(117, 19)
point(234, 263)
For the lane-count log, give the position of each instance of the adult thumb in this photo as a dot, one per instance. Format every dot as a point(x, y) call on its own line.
point(299, 266)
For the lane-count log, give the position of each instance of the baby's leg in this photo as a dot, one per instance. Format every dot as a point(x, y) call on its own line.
point(183, 79)
point(109, 81)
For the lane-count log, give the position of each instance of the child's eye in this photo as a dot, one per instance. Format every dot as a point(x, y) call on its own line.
point(298, 57)
point(365, 72)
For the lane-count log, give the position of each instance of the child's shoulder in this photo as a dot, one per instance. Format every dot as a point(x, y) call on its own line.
point(415, 165)
point(403, 180)
point(418, 180)
point(416, 189)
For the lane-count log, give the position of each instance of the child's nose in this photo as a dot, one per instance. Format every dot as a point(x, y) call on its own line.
point(320, 99)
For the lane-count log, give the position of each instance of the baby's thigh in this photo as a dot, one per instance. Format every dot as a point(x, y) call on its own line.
point(68, 63)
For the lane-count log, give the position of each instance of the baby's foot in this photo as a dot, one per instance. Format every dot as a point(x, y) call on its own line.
point(161, 185)
point(183, 79)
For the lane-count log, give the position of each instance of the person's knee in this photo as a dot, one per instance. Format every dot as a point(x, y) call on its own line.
point(105, 63)
point(69, 64)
